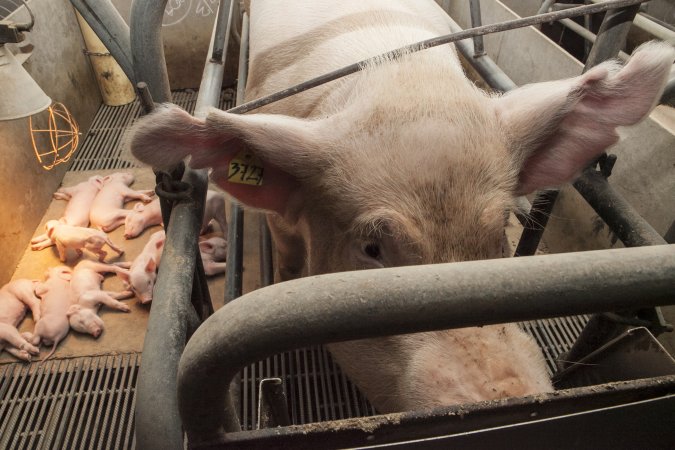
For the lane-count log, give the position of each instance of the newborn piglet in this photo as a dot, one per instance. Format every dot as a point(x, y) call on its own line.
point(15, 297)
point(142, 217)
point(77, 238)
point(79, 198)
point(107, 212)
point(55, 293)
point(143, 270)
point(87, 296)
point(213, 252)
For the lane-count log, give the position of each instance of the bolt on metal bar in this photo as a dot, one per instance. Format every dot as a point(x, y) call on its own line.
point(235, 229)
point(610, 39)
point(111, 29)
point(476, 21)
point(171, 317)
point(433, 42)
point(346, 306)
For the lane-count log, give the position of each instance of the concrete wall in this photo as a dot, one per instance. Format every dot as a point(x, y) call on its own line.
point(60, 68)
point(186, 33)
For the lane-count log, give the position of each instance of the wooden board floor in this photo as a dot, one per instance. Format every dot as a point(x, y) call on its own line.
point(124, 332)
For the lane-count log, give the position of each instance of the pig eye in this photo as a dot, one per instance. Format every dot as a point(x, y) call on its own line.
point(372, 250)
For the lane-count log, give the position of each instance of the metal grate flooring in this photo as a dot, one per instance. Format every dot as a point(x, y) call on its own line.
point(80, 403)
point(89, 402)
point(103, 146)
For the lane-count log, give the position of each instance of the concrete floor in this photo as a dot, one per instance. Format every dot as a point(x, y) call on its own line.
point(124, 332)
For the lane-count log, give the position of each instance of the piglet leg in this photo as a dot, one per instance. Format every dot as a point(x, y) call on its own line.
point(11, 336)
point(213, 268)
point(20, 354)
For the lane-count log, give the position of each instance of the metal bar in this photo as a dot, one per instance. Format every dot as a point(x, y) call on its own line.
point(651, 27)
point(612, 35)
point(587, 34)
point(265, 249)
point(327, 308)
point(545, 6)
point(145, 97)
point(111, 29)
point(147, 49)
point(476, 21)
point(433, 42)
point(628, 225)
point(167, 325)
point(235, 229)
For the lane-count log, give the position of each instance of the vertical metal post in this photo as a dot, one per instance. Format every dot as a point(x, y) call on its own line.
point(476, 21)
point(610, 39)
point(235, 229)
point(180, 279)
point(147, 48)
point(265, 247)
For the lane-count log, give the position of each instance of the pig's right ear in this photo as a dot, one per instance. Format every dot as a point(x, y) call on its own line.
point(555, 129)
point(72, 310)
point(288, 149)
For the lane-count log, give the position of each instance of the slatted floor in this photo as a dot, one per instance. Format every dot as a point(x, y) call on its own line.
point(88, 403)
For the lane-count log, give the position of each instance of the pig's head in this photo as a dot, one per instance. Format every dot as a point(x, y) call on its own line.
point(216, 247)
point(134, 221)
point(140, 279)
point(124, 177)
point(422, 175)
point(96, 181)
point(85, 320)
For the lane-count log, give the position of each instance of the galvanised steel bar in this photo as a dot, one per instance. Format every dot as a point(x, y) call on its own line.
point(629, 226)
point(158, 424)
point(265, 249)
point(610, 39)
point(611, 36)
point(235, 228)
point(651, 27)
point(351, 305)
point(587, 34)
point(476, 21)
point(111, 29)
point(434, 42)
point(147, 49)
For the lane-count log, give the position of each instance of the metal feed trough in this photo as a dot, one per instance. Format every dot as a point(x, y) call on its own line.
point(622, 395)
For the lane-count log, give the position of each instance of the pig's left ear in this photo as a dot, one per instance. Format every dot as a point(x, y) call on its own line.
point(287, 149)
point(555, 129)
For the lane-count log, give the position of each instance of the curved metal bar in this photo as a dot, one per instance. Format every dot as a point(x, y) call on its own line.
point(111, 29)
point(147, 48)
point(346, 306)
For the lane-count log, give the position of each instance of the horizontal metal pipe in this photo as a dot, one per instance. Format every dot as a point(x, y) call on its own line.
point(433, 42)
point(351, 305)
point(111, 29)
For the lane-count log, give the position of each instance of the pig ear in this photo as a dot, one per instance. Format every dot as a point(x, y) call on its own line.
point(205, 246)
point(123, 274)
point(288, 148)
point(557, 128)
point(151, 266)
point(66, 275)
point(72, 310)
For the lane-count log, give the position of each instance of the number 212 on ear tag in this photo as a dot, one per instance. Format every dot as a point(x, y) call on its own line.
point(245, 168)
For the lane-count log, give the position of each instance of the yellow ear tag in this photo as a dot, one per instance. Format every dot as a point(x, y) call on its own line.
point(245, 168)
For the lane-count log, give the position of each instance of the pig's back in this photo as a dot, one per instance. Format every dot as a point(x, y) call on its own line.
point(293, 41)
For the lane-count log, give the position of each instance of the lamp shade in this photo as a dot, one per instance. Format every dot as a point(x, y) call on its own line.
point(20, 95)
